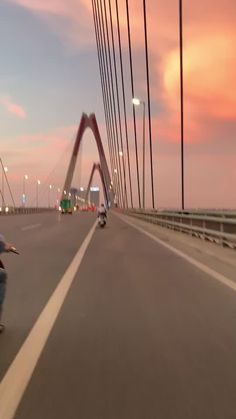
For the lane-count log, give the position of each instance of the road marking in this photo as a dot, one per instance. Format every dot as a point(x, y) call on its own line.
point(16, 379)
point(31, 227)
point(216, 275)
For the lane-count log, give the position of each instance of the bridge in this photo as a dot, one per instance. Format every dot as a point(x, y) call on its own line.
point(133, 321)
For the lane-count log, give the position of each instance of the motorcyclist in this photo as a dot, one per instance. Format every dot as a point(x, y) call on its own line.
point(102, 211)
point(4, 247)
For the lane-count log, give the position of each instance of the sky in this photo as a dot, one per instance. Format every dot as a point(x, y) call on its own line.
point(49, 75)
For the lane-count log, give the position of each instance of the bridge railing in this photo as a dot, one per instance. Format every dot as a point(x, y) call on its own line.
point(20, 210)
point(218, 226)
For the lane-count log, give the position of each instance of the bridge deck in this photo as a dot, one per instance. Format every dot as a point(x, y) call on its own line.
point(142, 333)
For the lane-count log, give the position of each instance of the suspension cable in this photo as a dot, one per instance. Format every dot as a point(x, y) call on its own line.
point(149, 104)
point(101, 49)
point(124, 100)
point(103, 89)
point(113, 119)
point(132, 89)
point(118, 102)
point(104, 19)
point(106, 72)
point(5, 176)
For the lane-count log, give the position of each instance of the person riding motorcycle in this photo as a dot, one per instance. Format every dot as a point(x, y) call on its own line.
point(102, 211)
point(102, 215)
point(4, 247)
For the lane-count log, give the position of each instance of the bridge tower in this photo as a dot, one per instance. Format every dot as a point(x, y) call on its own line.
point(97, 166)
point(90, 122)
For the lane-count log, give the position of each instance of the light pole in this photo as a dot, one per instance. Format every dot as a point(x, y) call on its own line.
point(37, 193)
point(138, 102)
point(58, 195)
point(4, 170)
point(24, 195)
point(49, 196)
point(181, 98)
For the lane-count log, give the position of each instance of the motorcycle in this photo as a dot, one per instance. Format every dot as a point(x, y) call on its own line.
point(10, 249)
point(102, 220)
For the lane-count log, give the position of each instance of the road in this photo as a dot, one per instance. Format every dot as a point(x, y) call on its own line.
point(142, 333)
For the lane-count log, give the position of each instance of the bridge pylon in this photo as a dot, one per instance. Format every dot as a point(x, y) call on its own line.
point(90, 122)
point(97, 166)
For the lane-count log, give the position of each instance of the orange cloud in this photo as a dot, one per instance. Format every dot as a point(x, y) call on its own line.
point(209, 76)
point(13, 108)
point(209, 58)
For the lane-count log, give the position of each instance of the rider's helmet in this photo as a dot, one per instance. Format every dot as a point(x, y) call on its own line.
point(102, 205)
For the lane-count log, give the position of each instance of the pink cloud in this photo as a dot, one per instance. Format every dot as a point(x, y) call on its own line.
point(13, 108)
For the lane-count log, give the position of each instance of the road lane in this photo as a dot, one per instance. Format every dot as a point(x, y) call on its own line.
point(142, 334)
point(31, 227)
point(45, 254)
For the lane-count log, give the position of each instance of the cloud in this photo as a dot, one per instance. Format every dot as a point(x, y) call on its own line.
point(209, 64)
point(70, 19)
point(12, 107)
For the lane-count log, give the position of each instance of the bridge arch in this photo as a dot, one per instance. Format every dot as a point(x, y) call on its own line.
point(89, 122)
point(97, 166)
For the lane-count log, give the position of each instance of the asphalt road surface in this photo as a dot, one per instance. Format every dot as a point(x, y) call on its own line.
point(142, 334)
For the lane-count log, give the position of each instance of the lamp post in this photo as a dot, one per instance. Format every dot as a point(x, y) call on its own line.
point(49, 196)
point(4, 170)
point(24, 195)
point(58, 196)
point(37, 193)
point(181, 99)
point(138, 102)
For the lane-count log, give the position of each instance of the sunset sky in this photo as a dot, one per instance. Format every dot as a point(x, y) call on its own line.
point(49, 75)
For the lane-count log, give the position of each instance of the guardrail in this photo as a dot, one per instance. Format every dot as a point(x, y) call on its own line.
point(217, 227)
point(16, 211)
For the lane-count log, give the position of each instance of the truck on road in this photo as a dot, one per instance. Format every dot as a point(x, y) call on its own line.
point(66, 206)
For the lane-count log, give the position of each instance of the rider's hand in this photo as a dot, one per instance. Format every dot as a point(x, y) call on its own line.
point(8, 247)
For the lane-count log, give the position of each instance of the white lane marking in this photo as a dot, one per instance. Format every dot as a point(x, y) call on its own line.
point(31, 227)
point(216, 275)
point(16, 379)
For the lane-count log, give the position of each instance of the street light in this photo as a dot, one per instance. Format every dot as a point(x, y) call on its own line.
point(37, 192)
point(181, 99)
point(58, 195)
point(24, 195)
point(5, 170)
point(49, 196)
point(138, 102)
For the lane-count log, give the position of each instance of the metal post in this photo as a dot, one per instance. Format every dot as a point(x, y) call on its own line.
point(23, 195)
point(149, 101)
point(143, 103)
point(132, 90)
point(3, 201)
point(37, 193)
point(181, 98)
